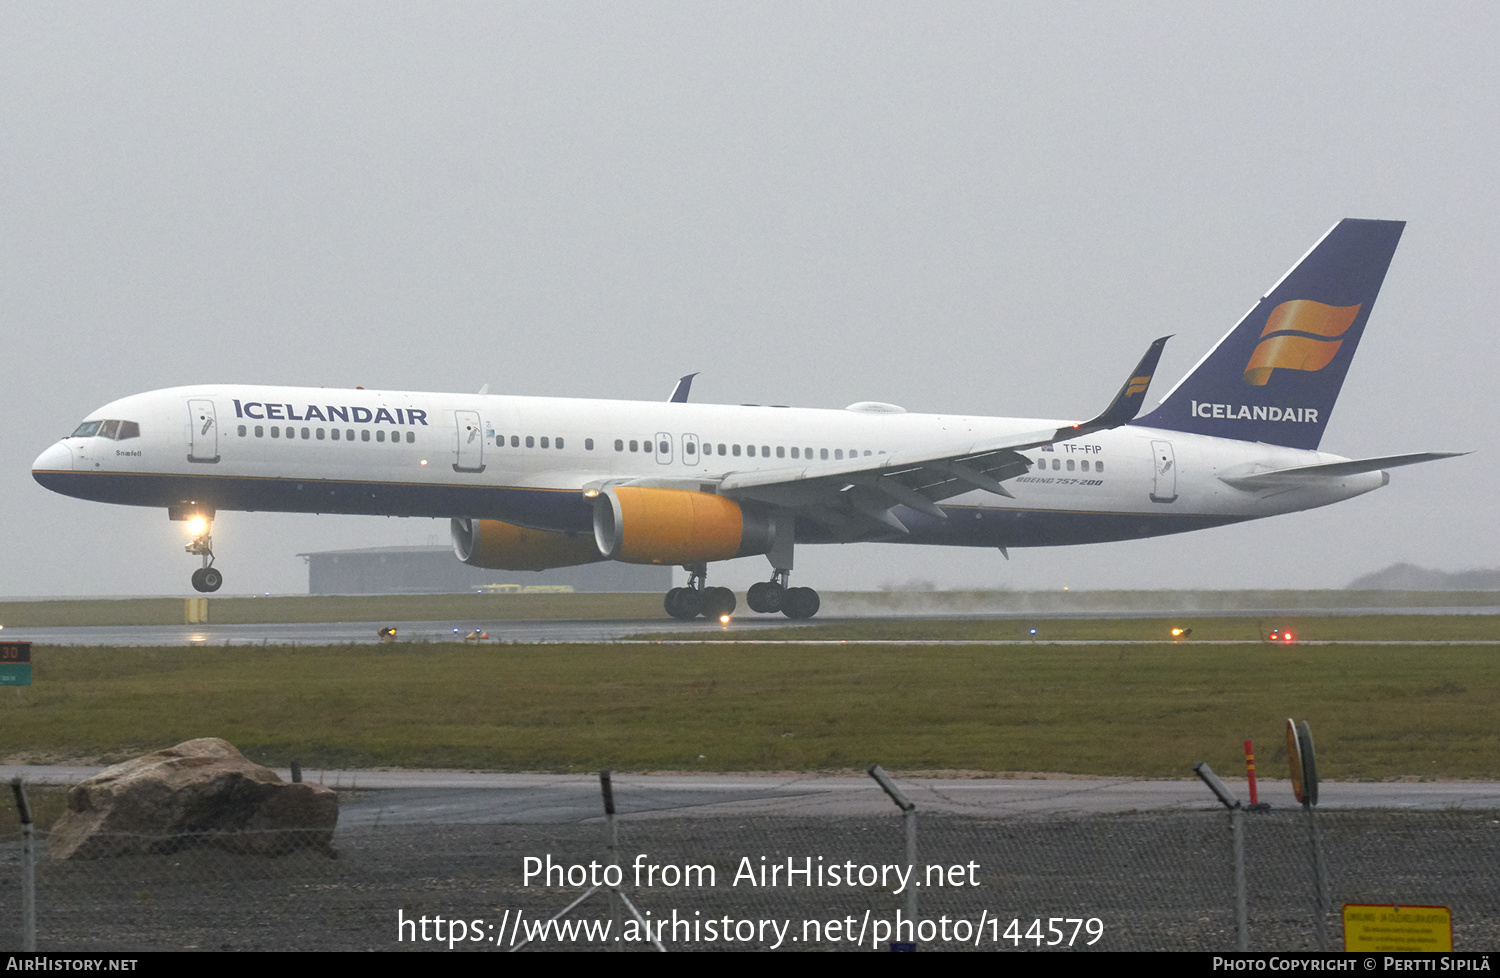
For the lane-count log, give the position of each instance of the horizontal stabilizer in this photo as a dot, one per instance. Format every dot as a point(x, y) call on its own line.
point(1279, 478)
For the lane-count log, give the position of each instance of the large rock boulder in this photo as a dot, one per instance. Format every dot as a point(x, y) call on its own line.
point(201, 791)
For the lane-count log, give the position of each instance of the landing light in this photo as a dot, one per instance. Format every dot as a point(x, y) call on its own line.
point(197, 525)
point(424, 461)
point(723, 619)
point(1178, 634)
point(590, 493)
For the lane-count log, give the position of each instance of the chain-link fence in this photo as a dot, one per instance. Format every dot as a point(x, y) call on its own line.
point(1120, 882)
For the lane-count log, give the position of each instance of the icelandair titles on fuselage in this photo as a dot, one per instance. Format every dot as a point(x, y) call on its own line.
point(1203, 409)
point(328, 412)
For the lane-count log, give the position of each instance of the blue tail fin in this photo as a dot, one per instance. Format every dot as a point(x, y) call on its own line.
point(1275, 376)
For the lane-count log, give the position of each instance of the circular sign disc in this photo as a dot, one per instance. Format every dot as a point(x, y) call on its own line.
point(1294, 757)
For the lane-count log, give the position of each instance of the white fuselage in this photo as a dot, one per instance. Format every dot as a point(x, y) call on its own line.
point(526, 460)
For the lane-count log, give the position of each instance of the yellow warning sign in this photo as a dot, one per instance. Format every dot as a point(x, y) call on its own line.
point(1383, 927)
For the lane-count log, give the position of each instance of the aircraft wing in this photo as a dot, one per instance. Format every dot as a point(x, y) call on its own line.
point(855, 496)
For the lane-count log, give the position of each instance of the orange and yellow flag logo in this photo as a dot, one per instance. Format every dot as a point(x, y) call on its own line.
point(1299, 335)
point(1137, 385)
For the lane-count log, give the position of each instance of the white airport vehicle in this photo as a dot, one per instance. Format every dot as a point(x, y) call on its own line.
point(531, 483)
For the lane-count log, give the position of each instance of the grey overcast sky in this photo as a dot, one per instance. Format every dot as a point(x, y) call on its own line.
point(988, 208)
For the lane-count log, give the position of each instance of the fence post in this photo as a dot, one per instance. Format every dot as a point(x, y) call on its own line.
point(28, 868)
point(909, 815)
point(1237, 827)
point(612, 842)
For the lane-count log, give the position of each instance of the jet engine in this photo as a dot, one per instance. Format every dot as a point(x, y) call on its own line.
point(505, 546)
point(643, 525)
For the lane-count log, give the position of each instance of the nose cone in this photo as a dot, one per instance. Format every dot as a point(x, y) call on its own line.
point(55, 459)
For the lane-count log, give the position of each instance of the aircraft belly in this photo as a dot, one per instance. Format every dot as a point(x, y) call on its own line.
point(539, 508)
point(976, 527)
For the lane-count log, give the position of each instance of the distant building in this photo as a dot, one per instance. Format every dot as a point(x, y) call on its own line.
point(435, 570)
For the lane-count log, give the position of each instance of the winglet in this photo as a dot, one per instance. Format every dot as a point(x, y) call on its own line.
point(1127, 403)
point(680, 392)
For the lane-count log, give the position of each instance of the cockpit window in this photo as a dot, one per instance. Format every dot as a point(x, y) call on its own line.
point(118, 430)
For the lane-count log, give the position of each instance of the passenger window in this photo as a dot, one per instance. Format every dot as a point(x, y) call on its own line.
point(619, 444)
point(1099, 466)
point(411, 437)
point(242, 431)
point(275, 431)
point(129, 429)
point(260, 431)
point(806, 453)
point(765, 451)
point(1056, 464)
point(349, 434)
point(823, 454)
point(559, 443)
point(335, 434)
point(690, 448)
point(499, 441)
point(364, 434)
point(544, 442)
point(635, 446)
point(530, 441)
point(320, 434)
point(665, 448)
point(306, 434)
point(750, 450)
point(1070, 465)
point(781, 451)
point(108, 429)
point(838, 453)
point(723, 448)
point(736, 451)
point(588, 444)
point(515, 441)
point(380, 434)
point(867, 453)
point(1084, 465)
point(794, 451)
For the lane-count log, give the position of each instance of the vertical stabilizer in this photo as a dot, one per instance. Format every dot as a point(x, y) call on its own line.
point(1275, 376)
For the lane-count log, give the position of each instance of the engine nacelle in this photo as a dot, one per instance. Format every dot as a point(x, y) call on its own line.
point(505, 546)
point(642, 525)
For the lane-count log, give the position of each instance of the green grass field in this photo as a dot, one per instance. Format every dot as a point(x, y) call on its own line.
point(1146, 710)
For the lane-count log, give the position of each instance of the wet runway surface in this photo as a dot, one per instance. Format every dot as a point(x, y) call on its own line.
point(564, 631)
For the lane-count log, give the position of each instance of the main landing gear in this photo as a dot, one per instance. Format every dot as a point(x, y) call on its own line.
point(698, 598)
point(207, 578)
point(769, 597)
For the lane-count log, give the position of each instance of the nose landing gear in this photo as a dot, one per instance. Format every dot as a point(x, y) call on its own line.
point(200, 521)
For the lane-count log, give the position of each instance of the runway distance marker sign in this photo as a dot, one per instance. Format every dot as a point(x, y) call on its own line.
point(15, 663)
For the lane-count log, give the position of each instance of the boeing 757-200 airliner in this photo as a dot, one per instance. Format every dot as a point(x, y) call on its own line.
point(531, 482)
